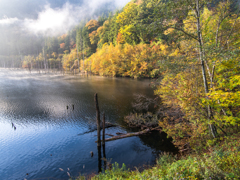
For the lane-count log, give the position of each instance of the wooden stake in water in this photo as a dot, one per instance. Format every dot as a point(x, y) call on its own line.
point(98, 120)
point(103, 129)
point(103, 142)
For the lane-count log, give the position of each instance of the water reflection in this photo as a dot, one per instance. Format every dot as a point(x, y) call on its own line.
point(159, 142)
point(99, 159)
point(104, 157)
point(46, 135)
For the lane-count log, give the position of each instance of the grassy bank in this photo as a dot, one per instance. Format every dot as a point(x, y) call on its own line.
point(219, 161)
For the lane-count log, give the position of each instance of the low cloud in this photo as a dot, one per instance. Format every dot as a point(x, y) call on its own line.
point(93, 5)
point(55, 21)
point(8, 21)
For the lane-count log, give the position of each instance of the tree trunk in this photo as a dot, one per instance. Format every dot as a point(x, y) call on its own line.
point(211, 126)
point(103, 129)
point(45, 64)
point(98, 119)
point(83, 54)
point(78, 58)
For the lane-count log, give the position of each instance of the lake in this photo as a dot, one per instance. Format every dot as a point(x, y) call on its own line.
point(46, 136)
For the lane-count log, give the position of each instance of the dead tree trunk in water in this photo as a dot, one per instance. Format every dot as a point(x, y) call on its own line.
point(103, 129)
point(103, 143)
point(98, 120)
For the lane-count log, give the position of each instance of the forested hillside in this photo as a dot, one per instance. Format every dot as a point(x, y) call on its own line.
point(141, 40)
point(192, 46)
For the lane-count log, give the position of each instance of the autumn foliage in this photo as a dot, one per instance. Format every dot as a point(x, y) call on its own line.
point(197, 64)
point(182, 87)
point(126, 60)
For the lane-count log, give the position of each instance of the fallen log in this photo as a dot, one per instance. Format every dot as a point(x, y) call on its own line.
point(131, 134)
point(107, 125)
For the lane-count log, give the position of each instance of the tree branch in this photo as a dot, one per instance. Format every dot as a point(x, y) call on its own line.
point(190, 35)
point(232, 28)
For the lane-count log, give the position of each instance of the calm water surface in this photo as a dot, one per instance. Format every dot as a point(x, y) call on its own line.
point(48, 136)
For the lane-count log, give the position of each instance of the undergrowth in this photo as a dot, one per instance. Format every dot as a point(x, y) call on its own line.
point(222, 161)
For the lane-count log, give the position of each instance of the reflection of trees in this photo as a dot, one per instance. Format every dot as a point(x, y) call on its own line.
point(159, 142)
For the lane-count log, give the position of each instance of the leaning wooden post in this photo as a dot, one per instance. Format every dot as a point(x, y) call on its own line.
point(103, 129)
point(98, 120)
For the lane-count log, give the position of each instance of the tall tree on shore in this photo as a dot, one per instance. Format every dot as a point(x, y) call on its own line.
point(184, 20)
point(172, 14)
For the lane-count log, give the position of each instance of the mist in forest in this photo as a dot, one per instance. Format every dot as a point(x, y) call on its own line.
point(52, 18)
point(25, 25)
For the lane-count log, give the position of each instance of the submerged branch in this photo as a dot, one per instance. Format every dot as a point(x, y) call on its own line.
point(107, 125)
point(131, 134)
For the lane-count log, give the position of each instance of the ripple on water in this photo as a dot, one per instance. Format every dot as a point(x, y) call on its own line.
point(47, 133)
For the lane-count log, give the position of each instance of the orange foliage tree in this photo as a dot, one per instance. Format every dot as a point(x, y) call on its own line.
point(126, 60)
